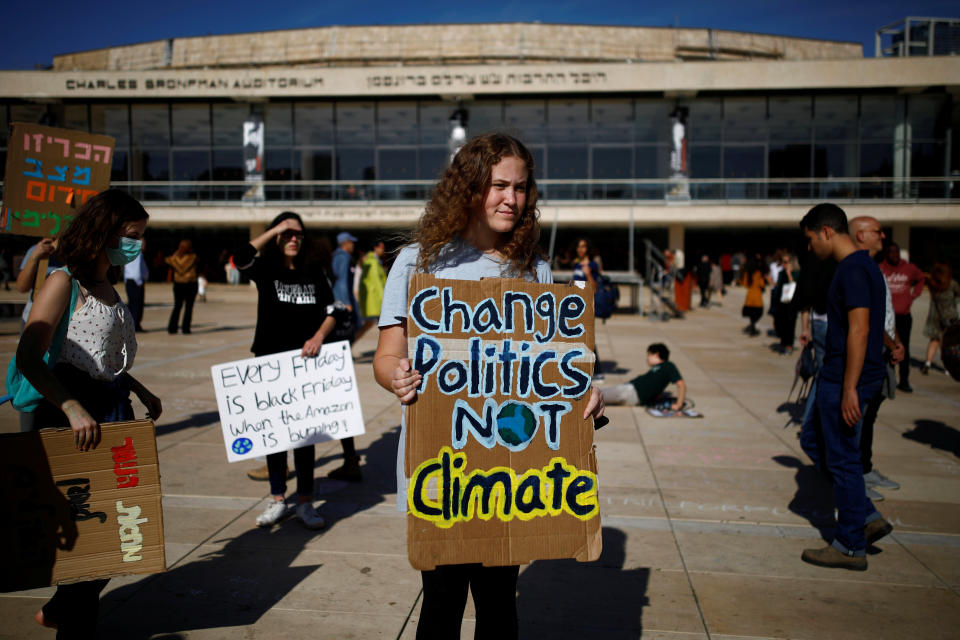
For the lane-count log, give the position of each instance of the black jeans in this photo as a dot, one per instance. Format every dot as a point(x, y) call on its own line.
point(866, 432)
point(904, 326)
point(184, 293)
point(303, 459)
point(445, 596)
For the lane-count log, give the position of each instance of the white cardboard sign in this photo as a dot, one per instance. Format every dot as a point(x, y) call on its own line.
point(283, 401)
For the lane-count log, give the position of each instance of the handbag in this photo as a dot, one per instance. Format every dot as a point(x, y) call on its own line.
point(23, 396)
point(786, 293)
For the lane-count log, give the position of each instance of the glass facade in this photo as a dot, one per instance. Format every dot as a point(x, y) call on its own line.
point(738, 146)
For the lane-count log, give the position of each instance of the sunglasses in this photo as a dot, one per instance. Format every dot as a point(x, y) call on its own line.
point(287, 235)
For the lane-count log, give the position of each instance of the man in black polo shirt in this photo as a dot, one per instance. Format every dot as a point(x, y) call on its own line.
point(853, 369)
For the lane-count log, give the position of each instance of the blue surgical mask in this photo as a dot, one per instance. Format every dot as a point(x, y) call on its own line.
point(125, 253)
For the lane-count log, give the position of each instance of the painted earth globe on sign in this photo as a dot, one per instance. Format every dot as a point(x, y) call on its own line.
point(516, 423)
point(242, 446)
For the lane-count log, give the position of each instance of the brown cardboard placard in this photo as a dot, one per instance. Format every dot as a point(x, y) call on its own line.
point(50, 172)
point(71, 515)
point(506, 368)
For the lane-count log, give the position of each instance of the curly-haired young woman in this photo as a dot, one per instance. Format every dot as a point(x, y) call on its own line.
point(481, 222)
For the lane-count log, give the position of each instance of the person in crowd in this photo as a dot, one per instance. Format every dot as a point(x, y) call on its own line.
point(481, 222)
point(343, 275)
point(27, 277)
point(726, 268)
point(944, 295)
point(647, 389)
point(293, 297)
point(814, 282)
point(774, 267)
point(372, 278)
point(753, 303)
point(737, 261)
point(135, 276)
point(586, 268)
point(853, 369)
point(704, 269)
point(905, 281)
point(785, 319)
point(184, 265)
point(717, 288)
point(868, 235)
point(90, 381)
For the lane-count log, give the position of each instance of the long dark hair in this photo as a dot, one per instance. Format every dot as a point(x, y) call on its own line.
point(460, 194)
point(271, 252)
point(97, 221)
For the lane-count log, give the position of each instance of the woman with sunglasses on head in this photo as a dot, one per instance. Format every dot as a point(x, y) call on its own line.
point(480, 222)
point(88, 381)
point(293, 297)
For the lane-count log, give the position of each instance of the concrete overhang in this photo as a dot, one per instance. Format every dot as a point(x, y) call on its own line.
point(673, 78)
point(574, 214)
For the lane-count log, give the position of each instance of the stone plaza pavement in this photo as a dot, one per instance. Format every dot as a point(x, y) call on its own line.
point(703, 519)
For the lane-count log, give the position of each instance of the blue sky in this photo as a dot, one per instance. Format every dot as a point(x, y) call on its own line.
point(36, 31)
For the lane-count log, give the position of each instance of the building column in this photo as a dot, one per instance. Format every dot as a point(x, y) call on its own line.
point(675, 242)
point(901, 235)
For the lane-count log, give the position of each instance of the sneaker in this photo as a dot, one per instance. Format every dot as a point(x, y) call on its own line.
point(274, 512)
point(905, 387)
point(876, 496)
point(350, 471)
point(925, 368)
point(876, 530)
point(309, 516)
point(833, 558)
point(877, 479)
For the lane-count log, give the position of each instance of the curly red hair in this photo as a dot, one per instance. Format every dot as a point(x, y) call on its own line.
point(460, 194)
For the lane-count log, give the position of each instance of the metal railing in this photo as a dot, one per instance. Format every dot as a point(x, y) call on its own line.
point(705, 191)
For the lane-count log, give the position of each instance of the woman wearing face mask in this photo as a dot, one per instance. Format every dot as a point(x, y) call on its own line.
point(89, 383)
point(480, 222)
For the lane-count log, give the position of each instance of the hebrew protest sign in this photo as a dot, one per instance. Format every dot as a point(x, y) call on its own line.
point(283, 401)
point(50, 172)
point(71, 515)
point(500, 463)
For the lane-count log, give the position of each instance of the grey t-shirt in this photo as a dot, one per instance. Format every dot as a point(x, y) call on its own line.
point(458, 261)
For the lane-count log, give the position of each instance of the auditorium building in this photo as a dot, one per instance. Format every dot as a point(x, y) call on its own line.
point(693, 138)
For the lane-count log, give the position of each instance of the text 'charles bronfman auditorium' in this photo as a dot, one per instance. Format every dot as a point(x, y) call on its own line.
point(655, 127)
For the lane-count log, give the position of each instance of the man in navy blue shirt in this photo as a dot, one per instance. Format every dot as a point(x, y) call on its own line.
point(853, 369)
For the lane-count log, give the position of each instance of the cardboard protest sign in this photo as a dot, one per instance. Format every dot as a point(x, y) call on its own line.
point(50, 172)
point(70, 515)
point(283, 401)
point(500, 462)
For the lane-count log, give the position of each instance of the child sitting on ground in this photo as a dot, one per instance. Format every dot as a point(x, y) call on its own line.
point(648, 388)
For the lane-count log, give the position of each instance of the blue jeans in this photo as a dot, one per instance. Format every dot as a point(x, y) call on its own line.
point(818, 335)
point(834, 447)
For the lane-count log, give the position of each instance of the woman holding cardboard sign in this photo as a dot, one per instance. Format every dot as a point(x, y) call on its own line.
point(481, 222)
point(86, 333)
point(294, 304)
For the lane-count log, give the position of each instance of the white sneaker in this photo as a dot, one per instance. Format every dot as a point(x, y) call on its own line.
point(274, 512)
point(309, 516)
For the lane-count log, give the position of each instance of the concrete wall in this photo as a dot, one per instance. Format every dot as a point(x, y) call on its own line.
point(453, 44)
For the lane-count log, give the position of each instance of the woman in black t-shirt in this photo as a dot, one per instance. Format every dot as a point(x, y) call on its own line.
point(293, 297)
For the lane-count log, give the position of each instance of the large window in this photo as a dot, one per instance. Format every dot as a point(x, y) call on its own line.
point(773, 146)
